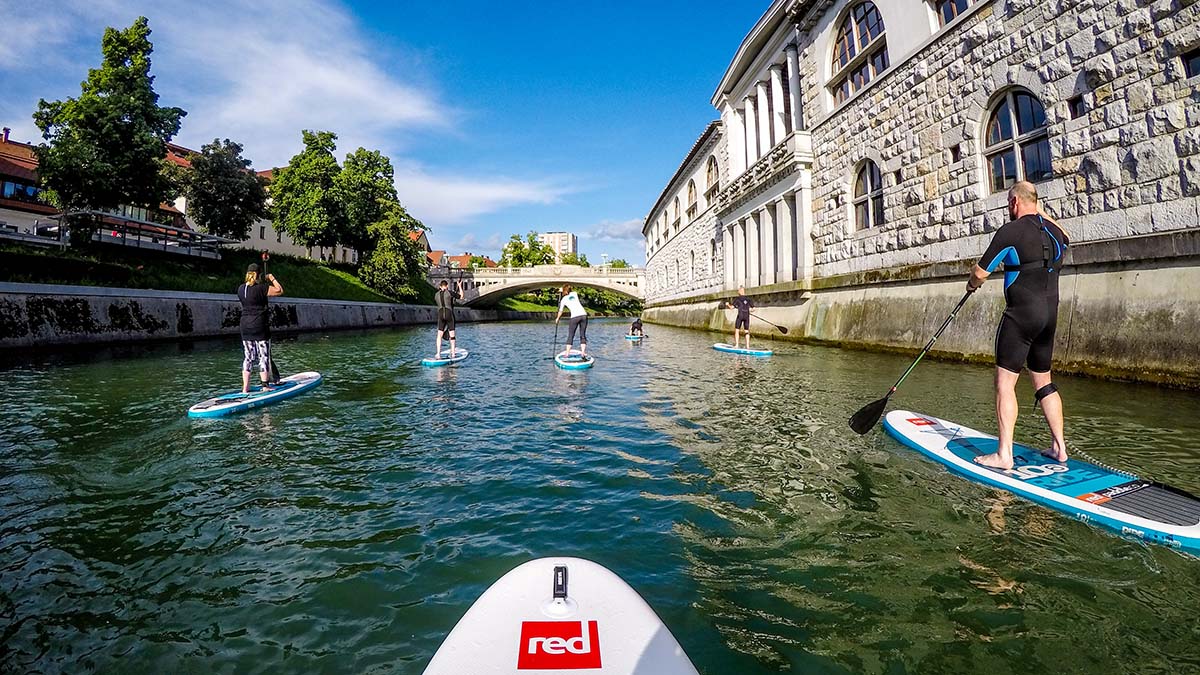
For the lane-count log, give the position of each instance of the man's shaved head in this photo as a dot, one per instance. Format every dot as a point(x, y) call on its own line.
point(1024, 191)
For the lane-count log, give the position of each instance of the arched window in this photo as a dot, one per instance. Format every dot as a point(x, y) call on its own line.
point(713, 179)
point(868, 196)
point(677, 214)
point(859, 52)
point(949, 10)
point(692, 208)
point(1016, 141)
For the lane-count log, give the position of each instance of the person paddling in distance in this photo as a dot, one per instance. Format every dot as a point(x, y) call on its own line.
point(579, 319)
point(1032, 247)
point(256, 324)
point(743, 305)
point(444, 299)
point(636, 327)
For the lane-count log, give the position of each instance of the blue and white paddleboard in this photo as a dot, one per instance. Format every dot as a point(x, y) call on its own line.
point(573, 360)
point(445, 358)
point(635, 338)
point(722, 347)
point(557, 616)
point(1090, 493)
point(236, 401)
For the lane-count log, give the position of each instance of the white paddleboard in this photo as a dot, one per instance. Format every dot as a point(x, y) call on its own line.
point(573, 360)
point(559, 616)
point(723, 347)
point(445, 358)
point(236, 401)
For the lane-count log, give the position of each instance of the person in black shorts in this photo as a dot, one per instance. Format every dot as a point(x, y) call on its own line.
point(256, 325)
point(444, 299)
point(743, 305)
point(1032, 248)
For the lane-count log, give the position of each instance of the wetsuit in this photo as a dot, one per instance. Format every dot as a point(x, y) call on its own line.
point(636, 328)
point(255, 327)
point(579, 317)
point(444, 299)
point(1032, 250)
point(743, 305)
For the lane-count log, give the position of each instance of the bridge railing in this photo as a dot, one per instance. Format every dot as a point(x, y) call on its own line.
point(539, 271)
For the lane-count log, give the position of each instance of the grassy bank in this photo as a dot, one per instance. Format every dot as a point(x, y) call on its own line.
point(518, 305)
point(133, 268)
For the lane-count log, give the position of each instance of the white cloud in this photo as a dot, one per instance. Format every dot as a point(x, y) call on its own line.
point(447, 199)
point(611, 230)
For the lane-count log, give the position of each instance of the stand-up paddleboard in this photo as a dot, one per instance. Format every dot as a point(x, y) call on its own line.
point(573, 360)
point(1085, 491)
point(635, 338)
point(236, 401)
point(722, 347)
point(445, 358)
point(558, 616)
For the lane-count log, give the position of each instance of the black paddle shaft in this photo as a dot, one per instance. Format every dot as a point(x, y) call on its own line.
point(777, 326)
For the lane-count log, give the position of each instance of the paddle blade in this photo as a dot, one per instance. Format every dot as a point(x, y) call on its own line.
point(868, 416)
point(782, 329)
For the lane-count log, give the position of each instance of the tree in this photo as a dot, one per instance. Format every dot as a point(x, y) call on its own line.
point(367, 190)
point(575, 259)
point(525, 252)
point(225, 197)
point(304, 194)
point(105, 149)
point(478, 262)
point(619, 264)
point(394, 265)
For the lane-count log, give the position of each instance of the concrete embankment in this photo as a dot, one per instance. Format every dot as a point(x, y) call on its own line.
point(43, 315)
point(1129, 309)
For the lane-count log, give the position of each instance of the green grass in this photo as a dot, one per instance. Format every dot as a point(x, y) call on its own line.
point(518, 305)
point(133, 268)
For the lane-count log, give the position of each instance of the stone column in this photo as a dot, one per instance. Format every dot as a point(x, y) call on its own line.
point(751, 124)
point(739, 253)
point(786, 217)
point(727, 254)
point(804, 226)
point(764, 121)
point(753, 250)
point(779, 117)
point(769, 239)
point(736, 137)
point(793, 68)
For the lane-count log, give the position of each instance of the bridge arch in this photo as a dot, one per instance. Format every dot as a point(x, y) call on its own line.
point(486, 286)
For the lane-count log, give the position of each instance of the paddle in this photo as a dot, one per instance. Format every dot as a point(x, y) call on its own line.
point(869, 415)
point(274, 370)
point(781, 328)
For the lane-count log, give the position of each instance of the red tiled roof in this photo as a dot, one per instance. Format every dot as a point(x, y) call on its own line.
point(269, 174)
point(435, 257)
point(18, 160)
point(178, 155)
point(459, 261)
point(415, 236)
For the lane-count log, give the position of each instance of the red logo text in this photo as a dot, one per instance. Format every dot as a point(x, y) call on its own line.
point(562, 645)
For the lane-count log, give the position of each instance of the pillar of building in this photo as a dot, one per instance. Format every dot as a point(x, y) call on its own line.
point(769, 253)
point(779, 115)
point(786, 219)
point(764, 120)
point(753, 249)
point(751, 124)
point(804, 226)
point(728, 255)
point(736, 137)
point(793, 75)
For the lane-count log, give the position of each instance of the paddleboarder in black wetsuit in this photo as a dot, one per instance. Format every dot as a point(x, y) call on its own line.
point(1032, 248)
point(743, 305)
point(256, 324)
point(636, 327)
point(444, 299)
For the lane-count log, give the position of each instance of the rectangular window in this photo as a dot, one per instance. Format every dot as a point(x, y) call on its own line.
point(262, 231)
point(877, 206)
point(862, 217)
point(949, 10)
point(955, 152)
point(1003, 168)
point(1076, 107)
point(1191, 63)
point(1036, 158)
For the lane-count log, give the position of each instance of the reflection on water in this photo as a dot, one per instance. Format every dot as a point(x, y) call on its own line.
point(346, 530)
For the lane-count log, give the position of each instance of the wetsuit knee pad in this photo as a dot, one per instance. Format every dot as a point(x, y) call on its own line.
point(1043, 393)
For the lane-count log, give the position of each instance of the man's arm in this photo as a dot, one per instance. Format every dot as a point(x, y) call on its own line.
point(276, 289)
point(976, 279)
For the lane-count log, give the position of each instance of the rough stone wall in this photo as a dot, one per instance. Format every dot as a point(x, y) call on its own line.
point(37, 315)
point(1130, 166)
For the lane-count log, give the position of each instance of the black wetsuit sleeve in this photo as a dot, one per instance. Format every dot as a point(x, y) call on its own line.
point(998, 249)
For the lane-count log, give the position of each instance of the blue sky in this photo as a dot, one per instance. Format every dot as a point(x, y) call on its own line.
point(499, 117)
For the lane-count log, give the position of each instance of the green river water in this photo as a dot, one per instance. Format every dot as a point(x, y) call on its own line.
point(347, 530)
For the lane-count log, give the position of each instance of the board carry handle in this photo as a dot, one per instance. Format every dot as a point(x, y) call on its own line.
point(560, 582)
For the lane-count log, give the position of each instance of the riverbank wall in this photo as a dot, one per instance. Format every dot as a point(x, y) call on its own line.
point(38, 316)
point(1129, 309)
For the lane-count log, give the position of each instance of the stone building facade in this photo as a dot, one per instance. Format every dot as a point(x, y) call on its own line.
point(903, 123)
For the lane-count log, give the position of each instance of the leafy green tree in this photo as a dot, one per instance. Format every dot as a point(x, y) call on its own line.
point(575, 259)
point(105, 149)
point(224, 196)
point(477, 262)
point(394, 265)
point(619, 264)
point(367, 189)
point(525, 252)
point(305, 198)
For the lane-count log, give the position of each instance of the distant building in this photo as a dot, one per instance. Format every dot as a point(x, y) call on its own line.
point(561, 242)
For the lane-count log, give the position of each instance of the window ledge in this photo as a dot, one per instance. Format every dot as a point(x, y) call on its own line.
point(868, 233)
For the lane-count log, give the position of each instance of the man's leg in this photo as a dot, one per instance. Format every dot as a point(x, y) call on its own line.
point(439, 342)
point(245, 382)
point(1052, 410)
point(1006, 419)
point(452, 347)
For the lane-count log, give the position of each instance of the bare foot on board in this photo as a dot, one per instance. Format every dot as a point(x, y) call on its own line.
point(995, 461)
point(1056, 452)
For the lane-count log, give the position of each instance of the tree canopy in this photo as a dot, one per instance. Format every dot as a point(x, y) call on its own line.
point(224, 196)
point(305, 200)
point(525, 252)
point(367, 189)
point(105, 148)
point(394, 264)
point(575, 259)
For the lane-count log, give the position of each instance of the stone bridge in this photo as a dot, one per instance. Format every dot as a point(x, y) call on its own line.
point(486, 286)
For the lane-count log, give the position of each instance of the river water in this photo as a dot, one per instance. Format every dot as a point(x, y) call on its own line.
point(345, 531)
